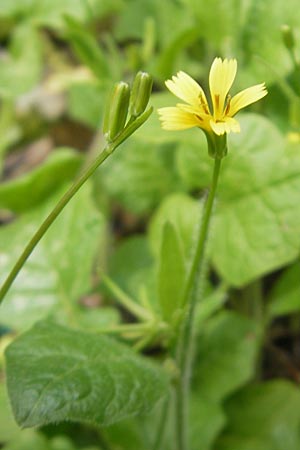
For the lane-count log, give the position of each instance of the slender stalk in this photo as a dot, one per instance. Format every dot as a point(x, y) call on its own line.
point(129, 129)
point(184, 350)
point(51, 217)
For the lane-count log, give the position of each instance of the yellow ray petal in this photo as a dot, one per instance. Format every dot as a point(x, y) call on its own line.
point(226, 126)
point(187, 89)
point(173, 118)
point(221, 77)
point(246, 97)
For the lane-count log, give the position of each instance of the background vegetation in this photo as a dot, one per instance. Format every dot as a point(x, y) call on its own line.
point(58, 60)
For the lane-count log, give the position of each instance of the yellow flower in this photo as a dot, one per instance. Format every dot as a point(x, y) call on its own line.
point(196, 112)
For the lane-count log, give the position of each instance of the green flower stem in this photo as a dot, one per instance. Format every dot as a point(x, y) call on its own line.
point(130, 128)
point(50, 219)
point(184, 350)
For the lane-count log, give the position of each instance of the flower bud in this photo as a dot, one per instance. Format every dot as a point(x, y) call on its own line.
point(288, 37)
point(141, 90)
point(116, 110)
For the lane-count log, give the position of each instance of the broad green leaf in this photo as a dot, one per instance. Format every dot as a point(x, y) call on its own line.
point(56, 374)
point(266, 413)
point(22, 70)
point(256, 228)
point(171, 272)
point(33, 188)
point(257, 212)
point(58, 272)
point(228, 345)
point(285, 295)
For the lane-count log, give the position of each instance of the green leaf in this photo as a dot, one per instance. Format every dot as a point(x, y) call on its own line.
point(285, 295)
point(171, 272)
point(258, 212)
point(227, 346)
point(266, 415)
point(58, 272)
point(56, 374)
point(33, 188)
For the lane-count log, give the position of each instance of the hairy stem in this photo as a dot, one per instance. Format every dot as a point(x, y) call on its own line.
point(184, 349)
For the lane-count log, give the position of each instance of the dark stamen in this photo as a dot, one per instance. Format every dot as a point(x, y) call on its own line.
point(228, 100)
point(217, 101)
point(203, 104)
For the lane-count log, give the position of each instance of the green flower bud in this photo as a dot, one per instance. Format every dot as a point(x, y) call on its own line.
point(116, 110)
point(288, 37)
point(141, 91)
